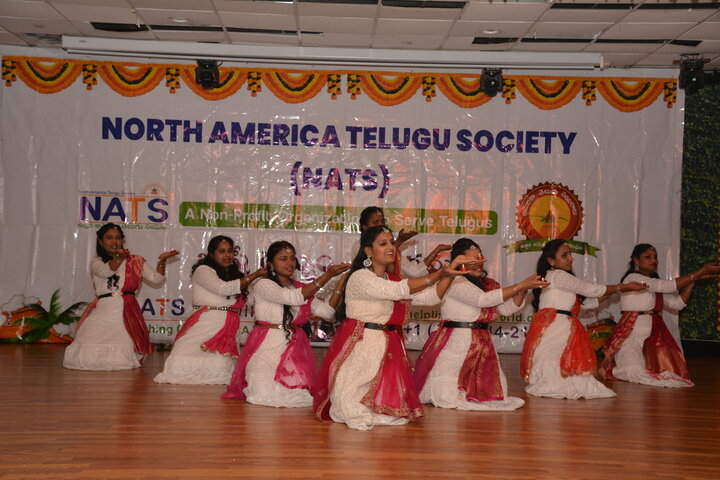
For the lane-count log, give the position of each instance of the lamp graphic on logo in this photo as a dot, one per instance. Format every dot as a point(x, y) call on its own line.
point(546, 211)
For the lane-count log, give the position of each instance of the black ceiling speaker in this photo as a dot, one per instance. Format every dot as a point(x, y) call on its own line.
point(207, 74)
point(491, 81)
point(692, 77)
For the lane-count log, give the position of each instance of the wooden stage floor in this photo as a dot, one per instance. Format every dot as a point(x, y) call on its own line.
point(63, 424)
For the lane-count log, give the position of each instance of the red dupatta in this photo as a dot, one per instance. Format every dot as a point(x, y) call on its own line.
point(660, 350)
point(578, 357)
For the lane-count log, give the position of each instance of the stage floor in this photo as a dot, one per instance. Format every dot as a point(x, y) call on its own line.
point(64, 424)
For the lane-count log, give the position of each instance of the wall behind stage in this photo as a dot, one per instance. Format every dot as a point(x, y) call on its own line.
point(700, 320)
point(296, 155)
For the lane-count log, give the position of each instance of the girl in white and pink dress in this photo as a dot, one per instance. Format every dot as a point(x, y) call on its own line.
point(111, 334)
point(557, 360)
point(458, 366)
point(205, 349)
point(365, 379)
point(641, 349)
point(276, 366)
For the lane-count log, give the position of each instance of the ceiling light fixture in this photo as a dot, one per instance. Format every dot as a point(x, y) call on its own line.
point(462, 60)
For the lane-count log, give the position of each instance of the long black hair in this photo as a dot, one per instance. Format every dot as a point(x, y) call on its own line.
point(548, 251)
point(367, 237)
point(639, 249)
point(366, 214)
point(272, 251)
point(101, 252)
point(226, 274)
point(459, 248)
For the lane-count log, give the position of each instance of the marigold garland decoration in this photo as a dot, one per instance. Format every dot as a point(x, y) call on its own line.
point(294, 87)
point(630, 94)
point(463, 91)
point(670, 93)
point(172, 79)
point(8, 72)
point(89, 73)
point(333, 82)
point(231, 80)
point(46, 75)
point(131, 80)
point(389, 89)
point(589, 87)
point(428, 88)
point(254, 83)
point(509, 88)
point(548, 93)
point(353, 85)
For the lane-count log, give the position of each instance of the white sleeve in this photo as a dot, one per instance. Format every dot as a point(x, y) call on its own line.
point(322, 309)
point(271, 292)
point(465, 292)
point(655, 285)
point(365, 285)
point(508, 307)
point(150, 274)
point(673, 301)
point(207, 278)
point(570, 283)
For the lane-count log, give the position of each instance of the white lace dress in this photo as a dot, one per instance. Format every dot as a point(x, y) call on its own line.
point(368, 298)
point(188, 363)
point(629, 360)
point(262, 389)
point(463, 302)
point(103, 343)
point(545, 379)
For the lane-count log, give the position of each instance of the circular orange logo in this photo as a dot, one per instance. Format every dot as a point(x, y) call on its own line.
point(550, 210)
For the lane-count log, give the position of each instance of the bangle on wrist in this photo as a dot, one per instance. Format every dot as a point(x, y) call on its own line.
point(317, 284)
point(692, 277)
point(429, 282)
point(337, 292)
point(515, 290)
point(617, 289)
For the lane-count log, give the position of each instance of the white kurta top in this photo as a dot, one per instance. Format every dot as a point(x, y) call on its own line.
point(269, 298)
point(464, 302)
point(545, 378)
point(629, 360)
point(368, 298)
point(102, 343)
point(188, 363)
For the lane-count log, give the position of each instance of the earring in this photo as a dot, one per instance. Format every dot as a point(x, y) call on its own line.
point(367, 263)
point(635, 266)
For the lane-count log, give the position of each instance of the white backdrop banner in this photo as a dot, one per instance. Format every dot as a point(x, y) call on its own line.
point(296, 156)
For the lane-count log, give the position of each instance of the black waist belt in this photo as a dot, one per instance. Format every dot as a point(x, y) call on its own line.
point(383, 327)
point(476, 325)
point(644, 312)
point(115, 294)
point(565, 312)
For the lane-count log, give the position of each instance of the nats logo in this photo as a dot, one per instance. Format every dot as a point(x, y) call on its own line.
point(546, 211)
point(550, 210)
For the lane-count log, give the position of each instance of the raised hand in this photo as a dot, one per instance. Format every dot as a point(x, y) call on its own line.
point(167, 255)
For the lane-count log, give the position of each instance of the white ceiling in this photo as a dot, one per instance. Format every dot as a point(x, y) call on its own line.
point(645, 33)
